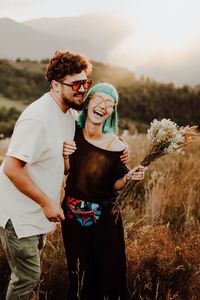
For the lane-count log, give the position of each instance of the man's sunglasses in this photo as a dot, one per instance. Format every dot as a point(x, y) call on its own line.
point(75, 85)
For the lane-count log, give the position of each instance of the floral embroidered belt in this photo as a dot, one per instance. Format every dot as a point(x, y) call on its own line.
point(86, 213)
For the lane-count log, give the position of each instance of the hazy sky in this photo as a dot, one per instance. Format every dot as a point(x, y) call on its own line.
point(166, 24)
point(26, 9)
point(165, 30)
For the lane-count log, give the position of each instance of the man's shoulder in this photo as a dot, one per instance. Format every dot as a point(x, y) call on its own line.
point(40, 102)
point(36, 108)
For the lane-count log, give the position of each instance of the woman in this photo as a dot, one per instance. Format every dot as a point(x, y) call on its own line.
point(93, 236)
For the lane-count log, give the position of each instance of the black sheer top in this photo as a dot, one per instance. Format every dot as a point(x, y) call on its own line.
point(93, 171)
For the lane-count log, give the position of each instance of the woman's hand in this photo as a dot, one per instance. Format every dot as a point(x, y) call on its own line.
point(68, 149)
point(136, 173)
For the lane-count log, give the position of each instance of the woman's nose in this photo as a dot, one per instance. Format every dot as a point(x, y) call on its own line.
point(102, 104)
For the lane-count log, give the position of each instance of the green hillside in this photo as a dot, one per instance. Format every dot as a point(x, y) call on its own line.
point(141, 100)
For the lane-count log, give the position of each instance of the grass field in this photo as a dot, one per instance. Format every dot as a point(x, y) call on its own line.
point(7, 103)
point(162, 230)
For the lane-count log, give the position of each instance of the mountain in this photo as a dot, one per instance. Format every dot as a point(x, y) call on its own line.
point(21, 41)
point(93, 35)
point(104, 31)
point(107, 33)
point(101, 38)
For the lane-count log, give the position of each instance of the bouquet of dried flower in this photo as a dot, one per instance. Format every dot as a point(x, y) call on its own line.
point(164, 137)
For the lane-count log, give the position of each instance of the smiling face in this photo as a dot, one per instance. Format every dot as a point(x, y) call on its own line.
point(70, 91)
point(100, 107)
point(71, 98)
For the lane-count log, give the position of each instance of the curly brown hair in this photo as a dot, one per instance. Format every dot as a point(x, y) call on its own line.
point(66, 63)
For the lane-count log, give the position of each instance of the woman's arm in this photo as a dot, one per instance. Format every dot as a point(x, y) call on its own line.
point(68, 149)
point(134, 174)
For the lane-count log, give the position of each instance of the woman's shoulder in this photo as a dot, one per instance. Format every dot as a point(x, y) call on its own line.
point(115, 143)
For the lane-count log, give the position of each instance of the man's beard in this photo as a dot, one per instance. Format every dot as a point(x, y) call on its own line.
point(72, 103)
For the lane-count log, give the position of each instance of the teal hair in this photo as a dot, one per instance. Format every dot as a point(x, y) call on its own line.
point(111, 123)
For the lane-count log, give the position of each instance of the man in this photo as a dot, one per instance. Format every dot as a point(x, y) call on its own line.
point(32, 172)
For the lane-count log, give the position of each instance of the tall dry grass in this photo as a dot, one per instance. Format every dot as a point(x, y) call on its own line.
point(162, 225)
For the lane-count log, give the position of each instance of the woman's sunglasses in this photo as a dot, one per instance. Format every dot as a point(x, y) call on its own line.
point(99, 99)
point(75, 85)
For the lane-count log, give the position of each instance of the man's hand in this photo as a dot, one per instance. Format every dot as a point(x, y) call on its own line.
point(125, 156)
point(68, 148)
point(53, 212)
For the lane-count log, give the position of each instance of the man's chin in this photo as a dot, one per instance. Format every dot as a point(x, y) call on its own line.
point(77, 106)
point(74, 103)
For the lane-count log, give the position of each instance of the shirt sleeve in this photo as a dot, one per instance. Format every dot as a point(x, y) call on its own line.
point(28, 141)
point(120, 169)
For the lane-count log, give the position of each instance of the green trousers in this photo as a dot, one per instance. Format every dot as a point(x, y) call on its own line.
point(23, 256)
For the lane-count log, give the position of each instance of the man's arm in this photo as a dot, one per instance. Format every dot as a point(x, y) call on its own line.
point(15, 171)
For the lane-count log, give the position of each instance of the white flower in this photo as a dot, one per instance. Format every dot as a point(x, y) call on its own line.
point(171, 148)
point(178, 138)
point(165, 131)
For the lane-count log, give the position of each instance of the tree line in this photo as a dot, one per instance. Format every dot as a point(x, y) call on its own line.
point(141, 100)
